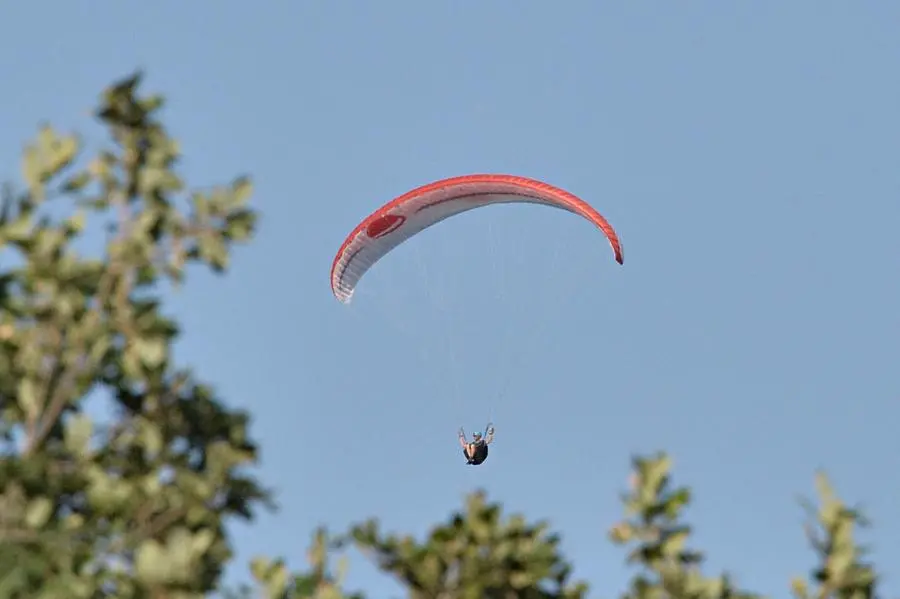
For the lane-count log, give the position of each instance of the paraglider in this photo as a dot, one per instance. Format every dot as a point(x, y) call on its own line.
point(476, 452)
point(415, 211)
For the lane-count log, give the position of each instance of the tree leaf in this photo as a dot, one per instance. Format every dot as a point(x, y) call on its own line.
point(63, 152)
point(239, 226)
point(259, 568)
point(131, 363)
point(28, 398)
point(214, 251)
point(78, 431)
point(99, 349)
point(241, 192)
point(152, 351)
point(674, 543)
point(180, 554)
point(38, 512)
point(277, 580)
point(76, 183)
point(150, 437)
point(151, 564)
point(202, 541)
point(33, 170)
point(76, 222)
point(18, 230)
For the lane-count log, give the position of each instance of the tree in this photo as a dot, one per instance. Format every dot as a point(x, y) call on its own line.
point(480, 554)
point(138, 507)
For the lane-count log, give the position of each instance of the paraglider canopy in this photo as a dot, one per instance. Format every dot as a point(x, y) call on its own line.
point(414, 211)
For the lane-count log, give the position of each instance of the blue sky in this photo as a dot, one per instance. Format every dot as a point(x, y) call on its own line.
point(745, 152)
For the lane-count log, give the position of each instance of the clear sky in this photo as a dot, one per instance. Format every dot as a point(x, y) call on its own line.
point(747, 154)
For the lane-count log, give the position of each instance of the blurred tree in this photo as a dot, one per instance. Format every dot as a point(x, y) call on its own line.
point(136, 505)
point(655, 529)
point(476, 555)
point(133, 507)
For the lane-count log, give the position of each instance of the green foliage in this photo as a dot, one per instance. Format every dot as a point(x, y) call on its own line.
point(654, 528)
point(841, 573)
point(479, 553)
point(476, 554)
point(137, 507)
point(275, 581)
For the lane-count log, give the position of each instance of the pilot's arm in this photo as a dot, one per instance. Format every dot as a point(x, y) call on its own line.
point(462, 439)
point(489, 436)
